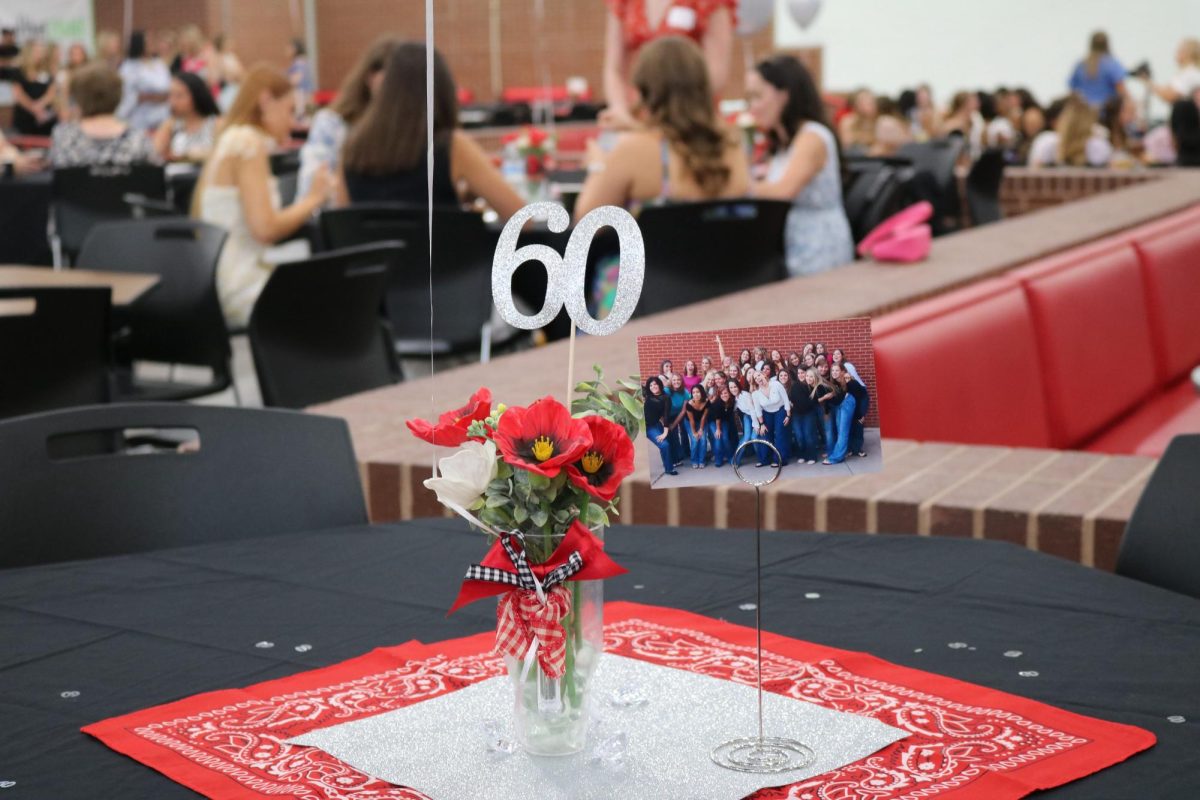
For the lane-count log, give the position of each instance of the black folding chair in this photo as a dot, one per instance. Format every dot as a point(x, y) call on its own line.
point(983, 187)
point(179, 321)
point(86, 196)
point(463, 249)
point(54, 350)
point(876, 192)
point(696, 251)
point(317, 331)
point(935, 179)
point(77, 485)
point(1162, 539)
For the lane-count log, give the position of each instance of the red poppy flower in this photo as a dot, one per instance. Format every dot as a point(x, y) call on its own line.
point(542, 438)
point(451, 427)
point(602, 467)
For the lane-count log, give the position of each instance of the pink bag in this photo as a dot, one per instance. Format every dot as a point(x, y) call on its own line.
point(903, 238)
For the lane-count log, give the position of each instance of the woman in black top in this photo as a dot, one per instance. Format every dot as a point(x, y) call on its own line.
point(827, 395)
point(34, 92)
point(721, 425)
point(658, 426)
point(862, 403)
point(385, 155)
point(805, 411)
point(696, 411)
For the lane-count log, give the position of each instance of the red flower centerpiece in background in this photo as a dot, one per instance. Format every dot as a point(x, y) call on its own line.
point(542, 438)
point(451, 427)
point(601, 468)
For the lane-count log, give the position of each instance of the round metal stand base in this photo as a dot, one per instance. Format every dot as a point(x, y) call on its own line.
point(765, 755)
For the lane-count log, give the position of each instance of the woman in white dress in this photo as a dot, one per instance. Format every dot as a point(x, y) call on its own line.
point(804, 167)
point(237, 191)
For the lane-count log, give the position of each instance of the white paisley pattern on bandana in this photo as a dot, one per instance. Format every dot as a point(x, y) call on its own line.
point(950, 745)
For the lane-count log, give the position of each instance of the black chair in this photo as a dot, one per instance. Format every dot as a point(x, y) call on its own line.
point(76, 486)
point(935, 179)
point(463, 250)
point(54, 350)
point(285, 166)
point(875, 193)
point(983, 187)
point(85, 196)
point(696, 251)
point(179, 321)
point(317, 332)
point(1162, 540)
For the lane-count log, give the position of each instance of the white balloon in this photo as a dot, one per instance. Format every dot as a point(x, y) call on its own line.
point(803, 11)
point(754, 15)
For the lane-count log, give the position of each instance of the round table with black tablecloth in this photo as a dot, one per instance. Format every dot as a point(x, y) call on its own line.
point(134, 631)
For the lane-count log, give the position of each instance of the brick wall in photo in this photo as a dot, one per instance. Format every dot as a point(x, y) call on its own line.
point(852, 335)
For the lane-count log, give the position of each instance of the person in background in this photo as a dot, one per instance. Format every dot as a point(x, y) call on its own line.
point(1186, 81)
point(1185, 131)
point(804, 413)
point(862, 404)
point(678, 397)
point(658, 424)
point(960, 116)
point(1033, 123)
point(857, 129)
point(109, 49)
point(227, 67)
point(844, 409)
point(77, 58)
point(34, 91)
point(1076, 141)
point(147, 81)
point(667, 371)
point(828, 395)
point(167, 41)
point(99, 137)
point(191, 131)
point(691, 376)
point(721, 410)
point(696, 411)
point(682, 152)
point(633, 24)
point(300, 73)
point(1120, 117)
point(327, 132)
point(9, 50)
point(195, 53)
point(999, 131)
point(771, 400)
point(385, 155)
point(746, 416)
point(237, 191)
point(13, 162)
point(1098, 77)
point(892, 131)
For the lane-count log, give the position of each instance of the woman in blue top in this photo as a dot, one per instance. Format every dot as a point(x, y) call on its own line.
point(805, 168)
point(1099, 77)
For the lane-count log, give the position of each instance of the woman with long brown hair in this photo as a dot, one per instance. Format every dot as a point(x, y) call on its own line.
point(385, 156)
point(327, 132)
point(237, 191)
point(1099, 77)
point(683, 152)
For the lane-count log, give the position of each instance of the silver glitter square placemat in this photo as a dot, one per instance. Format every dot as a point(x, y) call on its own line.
point(440, 747)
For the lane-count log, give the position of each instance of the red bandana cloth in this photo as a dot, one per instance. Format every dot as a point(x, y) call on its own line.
point(966, 742)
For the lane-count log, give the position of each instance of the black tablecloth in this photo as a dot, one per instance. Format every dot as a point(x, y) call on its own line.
point(135, 631)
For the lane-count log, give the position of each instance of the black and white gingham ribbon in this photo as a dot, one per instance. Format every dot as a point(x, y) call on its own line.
point(524, 578)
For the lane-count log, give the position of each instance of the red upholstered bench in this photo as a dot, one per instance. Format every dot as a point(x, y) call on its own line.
point(1090, 348)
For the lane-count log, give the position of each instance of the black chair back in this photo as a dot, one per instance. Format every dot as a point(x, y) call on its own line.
point(317, 331)
point(1162, 540)
point(75, 487)
point(934, 163)
point(54, 350)
point(875, 194)
point(463, 249)
point(983, 187)
point(696, 251)
point(179, 321)
point(86, 196)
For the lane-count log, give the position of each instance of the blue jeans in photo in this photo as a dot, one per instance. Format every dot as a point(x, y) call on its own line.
point(664, 447)
point(747, 435)
point(718, 447)
point(777, 434)
point(845, 413)
point(856, 427)
point(698, 443)
point(804, 429)
point(679, 442)
point(827, 428)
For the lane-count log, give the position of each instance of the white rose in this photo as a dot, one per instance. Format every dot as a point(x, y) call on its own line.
point(465, 475)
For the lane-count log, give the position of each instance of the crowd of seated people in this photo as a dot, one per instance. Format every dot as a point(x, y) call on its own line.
point(810, 405)
point(182, 97)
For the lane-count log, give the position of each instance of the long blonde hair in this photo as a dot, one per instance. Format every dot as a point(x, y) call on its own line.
point(29, 67)
point(1191, 50)
point(1074, 129)
point(672, 77)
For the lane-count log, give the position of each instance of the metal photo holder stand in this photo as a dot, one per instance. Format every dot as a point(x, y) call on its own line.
point(762, 754)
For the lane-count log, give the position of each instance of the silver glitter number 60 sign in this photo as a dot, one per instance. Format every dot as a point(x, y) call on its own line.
point(565, 274)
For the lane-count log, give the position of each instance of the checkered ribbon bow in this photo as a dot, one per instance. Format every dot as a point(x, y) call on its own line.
point(531, 612)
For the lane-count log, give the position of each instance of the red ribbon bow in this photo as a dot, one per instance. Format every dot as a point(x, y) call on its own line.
point(521, 616)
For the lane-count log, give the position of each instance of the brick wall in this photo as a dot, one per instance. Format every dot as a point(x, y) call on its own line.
point(1024, 190)
point(852, 335)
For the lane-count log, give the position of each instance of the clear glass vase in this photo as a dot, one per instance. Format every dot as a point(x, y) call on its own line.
point(550, 715)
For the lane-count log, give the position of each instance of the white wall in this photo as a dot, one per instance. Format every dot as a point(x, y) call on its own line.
point(889, 45)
